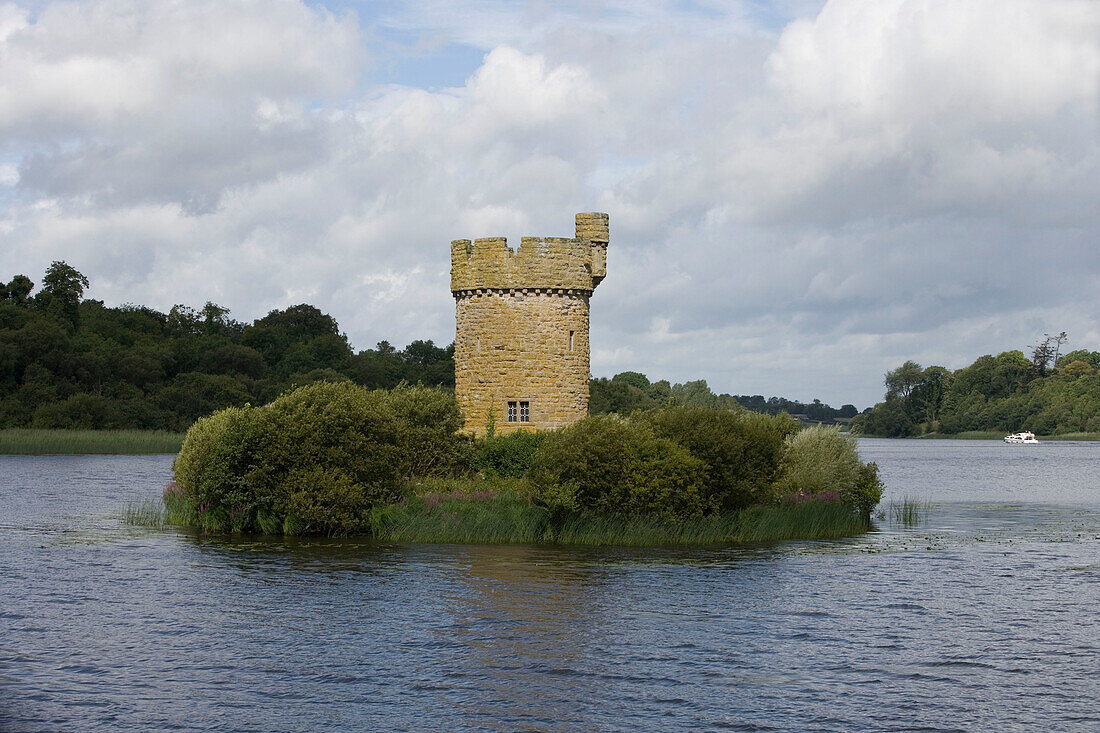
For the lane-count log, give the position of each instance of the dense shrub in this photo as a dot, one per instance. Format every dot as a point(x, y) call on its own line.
point(867, 491)
point(742, 450)
point(614, 466)
point(507, 455)
point(217, 455)
point(316, 459)
point(822, 461)
point(335, 427)
point(428, 431)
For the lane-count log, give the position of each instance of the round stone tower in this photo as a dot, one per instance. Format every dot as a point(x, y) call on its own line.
point(521, 343)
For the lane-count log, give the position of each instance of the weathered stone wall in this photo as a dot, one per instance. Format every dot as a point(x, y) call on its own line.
point(522, 325)
point(515, 346)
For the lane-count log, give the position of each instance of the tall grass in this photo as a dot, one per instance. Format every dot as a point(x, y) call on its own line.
point(809, 520)
point(147, 513)
point(908, 512)
point(172, 509)
point(1072, 436)
point(494, 520)
point(505, 516)
point(38, 442)
point(498, 511)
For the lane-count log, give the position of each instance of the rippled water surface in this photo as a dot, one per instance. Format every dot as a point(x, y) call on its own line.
point(982, 616)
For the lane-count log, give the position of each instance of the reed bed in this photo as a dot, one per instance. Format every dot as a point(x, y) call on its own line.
point(490, 521)
point(148, 513)
point(40, 442)
point(499, 511)
point(508, 518)
point(908, 512)
point(172, 509)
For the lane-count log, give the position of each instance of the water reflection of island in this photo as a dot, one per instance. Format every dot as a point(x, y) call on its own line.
point(523, 619)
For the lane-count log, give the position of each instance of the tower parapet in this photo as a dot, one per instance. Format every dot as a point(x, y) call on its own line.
point(579, 263)
point(521, 343)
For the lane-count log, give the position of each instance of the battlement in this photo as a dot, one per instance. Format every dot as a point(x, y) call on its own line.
point(579, 263)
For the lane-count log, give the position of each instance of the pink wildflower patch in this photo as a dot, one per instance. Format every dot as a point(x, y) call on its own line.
point(434, 500)
point(801, 497)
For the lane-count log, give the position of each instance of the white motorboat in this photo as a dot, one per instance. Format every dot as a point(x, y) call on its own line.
point(1026, 438)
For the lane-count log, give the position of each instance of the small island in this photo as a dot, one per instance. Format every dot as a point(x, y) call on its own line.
point(512, 455)
point(506, 446)
point(339, 459)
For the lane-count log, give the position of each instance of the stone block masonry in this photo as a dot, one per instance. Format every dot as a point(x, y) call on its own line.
point(521, 342)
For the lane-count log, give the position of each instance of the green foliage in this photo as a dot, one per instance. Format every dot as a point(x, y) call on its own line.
point(629, 392)
point(609, 465)
point(339, 428)
point(507, 455)
point(1092, 358)
point(823, 462)
point(72, 362)
point(318, 500)
point(741, 450)
point(866, 493)
point(473, 511)
point(902, 381)
point(62, 289)
point(215, 459)
point(999, 394)
point(1077, 368)
point(617, 396)
point(482, 511)
point(429, 422)
point(888, 419)
point(17, 291)
point(635, 379)
point(317, 459)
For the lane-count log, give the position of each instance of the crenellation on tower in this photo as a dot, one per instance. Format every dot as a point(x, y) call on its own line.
point(521, 343)
point(540, 262)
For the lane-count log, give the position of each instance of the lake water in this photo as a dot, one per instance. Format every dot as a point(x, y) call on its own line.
point(983, 616)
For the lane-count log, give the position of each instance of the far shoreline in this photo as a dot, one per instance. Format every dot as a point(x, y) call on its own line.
point(83, 442)
point(80, 442)
point(993, 435)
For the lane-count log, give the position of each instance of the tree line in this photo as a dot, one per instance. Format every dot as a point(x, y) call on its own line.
point(629, 391)
point(71, 362)
point(1050, 393)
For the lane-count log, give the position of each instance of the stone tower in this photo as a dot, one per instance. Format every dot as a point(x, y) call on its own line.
point(521, 347)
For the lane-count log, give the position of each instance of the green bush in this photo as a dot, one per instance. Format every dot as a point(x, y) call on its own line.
point(322, 500)
point(741, 449)
point(507, 455)
point(316, 459)
point(819, 460)
point(867, 491)
point(429, 422)
point(613, 466)
point(336, 426)
point(216, 456)
point(824, 463)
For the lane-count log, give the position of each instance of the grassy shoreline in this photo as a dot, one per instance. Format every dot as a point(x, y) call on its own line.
point(35, 442)
point(475, 511)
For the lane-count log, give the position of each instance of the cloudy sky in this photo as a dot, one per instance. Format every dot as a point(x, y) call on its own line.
point(802, 194)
